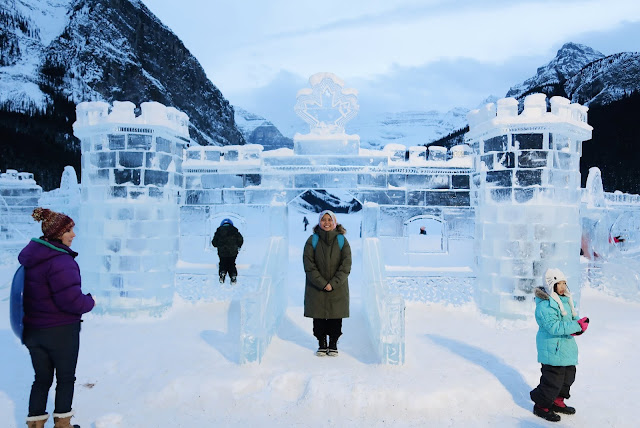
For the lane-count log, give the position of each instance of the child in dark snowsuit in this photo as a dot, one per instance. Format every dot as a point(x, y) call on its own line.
point(228, 241)
point(557, 349)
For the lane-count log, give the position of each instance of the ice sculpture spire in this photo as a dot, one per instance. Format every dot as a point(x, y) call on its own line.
point(327, 106)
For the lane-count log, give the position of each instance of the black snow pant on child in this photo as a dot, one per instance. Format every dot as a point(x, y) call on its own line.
point(228, 265)
point(554, 382)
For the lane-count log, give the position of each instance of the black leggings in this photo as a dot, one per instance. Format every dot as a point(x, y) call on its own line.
point(52, 350)
point(324, 328)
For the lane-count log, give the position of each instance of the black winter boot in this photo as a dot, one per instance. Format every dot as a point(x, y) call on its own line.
point(322, 346)
point(560, 407)
point(333, 347)
point(222, 277)
point(547, 414)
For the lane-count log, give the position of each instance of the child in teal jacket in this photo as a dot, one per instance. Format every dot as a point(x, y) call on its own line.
point(558, 323)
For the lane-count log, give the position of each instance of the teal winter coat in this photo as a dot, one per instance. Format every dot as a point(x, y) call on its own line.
point(556, 346)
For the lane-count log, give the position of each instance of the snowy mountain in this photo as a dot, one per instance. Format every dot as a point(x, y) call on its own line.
point(409, 128)
point(258, 130)
point(585, 76)
point(57, 53)
point(606, 80)
point(551, 78)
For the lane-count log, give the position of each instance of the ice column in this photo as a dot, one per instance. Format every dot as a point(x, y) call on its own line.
point(131, 184)
point(526, 192)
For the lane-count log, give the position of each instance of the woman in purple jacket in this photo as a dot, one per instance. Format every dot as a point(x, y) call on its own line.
point(53, 307)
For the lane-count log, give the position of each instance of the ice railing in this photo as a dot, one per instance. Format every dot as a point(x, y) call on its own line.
point(384, 311)
point(261, 311)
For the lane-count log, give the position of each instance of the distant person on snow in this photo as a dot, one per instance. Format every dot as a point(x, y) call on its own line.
point(53, 308)
point(327, 264)
point(558, 323)
point(228, 241)
point(423, 230)
point(305, 222)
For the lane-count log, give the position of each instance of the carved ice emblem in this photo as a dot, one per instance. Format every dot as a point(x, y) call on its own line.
point(327, 106)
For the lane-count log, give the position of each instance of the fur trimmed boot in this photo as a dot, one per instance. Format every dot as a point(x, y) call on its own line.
point(37, 421)
point(63, 420)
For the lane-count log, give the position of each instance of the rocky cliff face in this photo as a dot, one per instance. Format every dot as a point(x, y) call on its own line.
point(584, 76)
point(258, 130)
point(606, 80)
point(57, 53)
point(550, 79)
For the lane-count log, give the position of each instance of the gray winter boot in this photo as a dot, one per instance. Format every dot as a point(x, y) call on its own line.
point(37, 421)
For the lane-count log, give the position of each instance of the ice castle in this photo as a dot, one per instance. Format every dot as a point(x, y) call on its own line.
point(481, 221)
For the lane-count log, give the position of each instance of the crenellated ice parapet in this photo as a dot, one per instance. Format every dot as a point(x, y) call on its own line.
point(151, 113)
point(503, 116)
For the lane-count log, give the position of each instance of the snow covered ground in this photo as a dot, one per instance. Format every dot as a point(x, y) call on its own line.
point(462, 368)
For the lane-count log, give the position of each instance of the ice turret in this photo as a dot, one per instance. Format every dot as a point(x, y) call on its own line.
point(131, 189)
point(526, 191)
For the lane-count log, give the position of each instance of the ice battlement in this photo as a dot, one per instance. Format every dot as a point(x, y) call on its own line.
point(200, 158)
point(89, 114)
point(14, 178)
point(504, 112)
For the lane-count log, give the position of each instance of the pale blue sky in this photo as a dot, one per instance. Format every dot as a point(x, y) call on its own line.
point(400, 55)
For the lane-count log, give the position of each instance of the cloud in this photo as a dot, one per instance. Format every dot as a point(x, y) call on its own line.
point(407, 54)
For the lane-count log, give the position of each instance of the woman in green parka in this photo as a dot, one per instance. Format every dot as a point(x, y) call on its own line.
point(557, 348)
point(327, 264)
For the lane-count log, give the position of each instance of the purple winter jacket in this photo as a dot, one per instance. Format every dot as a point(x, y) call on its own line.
point(52, 287)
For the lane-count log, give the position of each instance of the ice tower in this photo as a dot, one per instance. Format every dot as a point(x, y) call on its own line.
point(526, 192)
point(131, 187)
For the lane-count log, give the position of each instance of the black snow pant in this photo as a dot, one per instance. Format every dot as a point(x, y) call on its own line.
point(555, 382)
point(323, 328)
point(53, 350)
point(228, 265)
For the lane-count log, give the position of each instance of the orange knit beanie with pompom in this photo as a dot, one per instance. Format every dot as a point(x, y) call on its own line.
point(54, 224)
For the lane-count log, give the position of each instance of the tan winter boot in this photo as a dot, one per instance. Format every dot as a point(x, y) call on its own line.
point(63, 420)
point(37, 421)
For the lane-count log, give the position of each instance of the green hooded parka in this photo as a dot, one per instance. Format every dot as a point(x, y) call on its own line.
point(327, 264)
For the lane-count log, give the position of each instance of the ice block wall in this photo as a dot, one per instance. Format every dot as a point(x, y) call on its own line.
point(262, 310)
point(131, 184)
point(385, 311)
point(526, 193)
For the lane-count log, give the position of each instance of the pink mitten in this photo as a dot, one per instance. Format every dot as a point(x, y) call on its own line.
point(584, 323)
